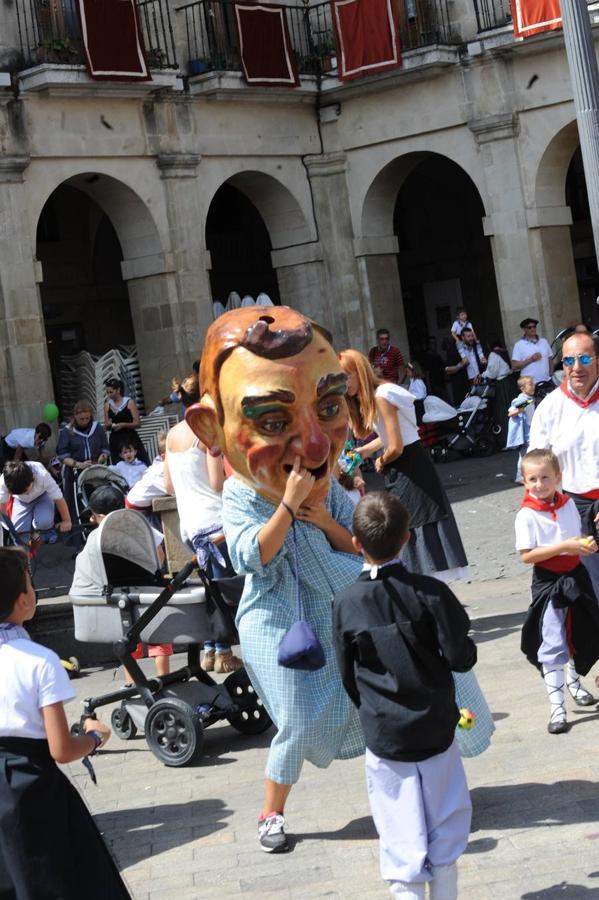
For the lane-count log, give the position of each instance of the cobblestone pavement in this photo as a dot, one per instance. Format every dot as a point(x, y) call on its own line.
point(191, 833)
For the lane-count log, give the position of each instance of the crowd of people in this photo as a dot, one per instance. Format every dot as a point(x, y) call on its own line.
point(254, 467)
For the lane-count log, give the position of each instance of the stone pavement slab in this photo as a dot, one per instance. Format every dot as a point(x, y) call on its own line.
point(191, 833)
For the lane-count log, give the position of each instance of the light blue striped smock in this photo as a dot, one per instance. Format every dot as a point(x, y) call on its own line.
point(314, 717)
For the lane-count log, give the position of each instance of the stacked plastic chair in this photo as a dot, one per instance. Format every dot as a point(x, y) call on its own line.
point(83, 376)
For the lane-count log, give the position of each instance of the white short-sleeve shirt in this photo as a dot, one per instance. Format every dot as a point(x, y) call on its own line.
point(31, 677)
point(539, 370)
point(406, 416)
point(150, 485)
point(540, 529)
point(21, 437)
point(43, 483)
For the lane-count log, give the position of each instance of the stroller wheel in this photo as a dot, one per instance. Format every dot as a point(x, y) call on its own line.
point(174, 732)
point(122, 724)
point(485, 445)
point(252, 717)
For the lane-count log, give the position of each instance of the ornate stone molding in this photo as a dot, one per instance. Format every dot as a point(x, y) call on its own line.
point(12, 167)
point(495, 128)
point(326, 164)
point(178, 165)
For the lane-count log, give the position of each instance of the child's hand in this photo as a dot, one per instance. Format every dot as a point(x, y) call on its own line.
point(299, 484)
point(100, 727)
point(589, 544)
point(575, 547)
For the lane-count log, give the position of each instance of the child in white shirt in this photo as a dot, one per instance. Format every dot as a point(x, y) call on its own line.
point(461, 321)
point(562, 623)
point(520, 413)
point(130, 467)
point(49, 844)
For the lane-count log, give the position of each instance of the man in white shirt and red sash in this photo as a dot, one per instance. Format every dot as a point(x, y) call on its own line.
point(567, 421)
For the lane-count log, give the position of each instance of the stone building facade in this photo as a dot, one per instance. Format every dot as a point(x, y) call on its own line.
point(382, 201)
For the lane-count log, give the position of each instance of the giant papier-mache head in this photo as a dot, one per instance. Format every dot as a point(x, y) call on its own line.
point(272, 390)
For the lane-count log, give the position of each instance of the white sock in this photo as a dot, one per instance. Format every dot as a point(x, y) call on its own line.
point(573, 682)
point(553, 676)
point(444, 885)
point(407, 891)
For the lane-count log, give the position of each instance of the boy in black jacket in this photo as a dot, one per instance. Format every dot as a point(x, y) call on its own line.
point(398, 636)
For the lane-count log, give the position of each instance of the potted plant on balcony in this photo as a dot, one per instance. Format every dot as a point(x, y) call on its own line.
point(327, 55)
point(156, 58)
point(59, 51)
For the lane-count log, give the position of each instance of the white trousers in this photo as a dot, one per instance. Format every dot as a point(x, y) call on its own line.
point(554, 646)
point(422, 812)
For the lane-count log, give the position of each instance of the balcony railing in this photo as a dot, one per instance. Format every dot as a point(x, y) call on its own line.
point(212, 41)
point(492, 14)
point(49, 32)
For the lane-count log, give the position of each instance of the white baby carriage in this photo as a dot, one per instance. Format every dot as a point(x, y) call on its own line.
point(469, 429)
point(132, 603)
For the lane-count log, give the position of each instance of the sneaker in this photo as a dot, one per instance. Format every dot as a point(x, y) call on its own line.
point(226, 662)
point(271, 832)
point(207, 663)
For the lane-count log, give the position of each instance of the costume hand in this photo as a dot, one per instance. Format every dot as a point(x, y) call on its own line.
point(64, 526)
point(315, 515)
point(299, 484)
point(100, 727)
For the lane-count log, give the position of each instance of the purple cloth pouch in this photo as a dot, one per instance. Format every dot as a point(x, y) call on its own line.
point(300, 648)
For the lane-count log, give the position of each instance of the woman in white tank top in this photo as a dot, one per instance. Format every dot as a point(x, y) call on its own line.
point(196, 479)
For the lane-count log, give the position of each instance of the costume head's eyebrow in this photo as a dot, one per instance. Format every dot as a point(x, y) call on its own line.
point(338, 380)
point(252, 407)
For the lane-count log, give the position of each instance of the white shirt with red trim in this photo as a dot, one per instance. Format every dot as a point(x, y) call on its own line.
point(539, 529)
point(572, 432)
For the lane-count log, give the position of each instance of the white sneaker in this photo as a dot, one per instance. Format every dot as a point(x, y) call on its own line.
point(271, 832)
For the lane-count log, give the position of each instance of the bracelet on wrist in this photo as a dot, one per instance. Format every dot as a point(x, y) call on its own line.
point(288, 509)
point(98, 738)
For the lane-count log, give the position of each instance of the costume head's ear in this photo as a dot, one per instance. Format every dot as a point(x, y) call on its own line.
point(202, 418)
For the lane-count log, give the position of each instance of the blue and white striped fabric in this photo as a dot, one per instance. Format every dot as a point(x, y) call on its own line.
point(315, 718)
point(469, 695)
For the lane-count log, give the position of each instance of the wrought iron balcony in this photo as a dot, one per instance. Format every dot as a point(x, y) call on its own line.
point(213, 44)
point(492, 14)
point(49, 32)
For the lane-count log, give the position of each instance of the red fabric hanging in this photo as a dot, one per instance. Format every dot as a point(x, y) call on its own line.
point(112, 40)
point(534, 16)
point(367, 37)
point(267, 55)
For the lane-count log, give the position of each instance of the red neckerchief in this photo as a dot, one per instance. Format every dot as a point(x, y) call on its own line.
point(592, 398)
point(544, 505)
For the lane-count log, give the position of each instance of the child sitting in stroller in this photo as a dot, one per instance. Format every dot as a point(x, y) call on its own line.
point(106, 499)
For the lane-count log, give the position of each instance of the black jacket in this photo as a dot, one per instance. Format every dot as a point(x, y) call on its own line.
point(397, 639)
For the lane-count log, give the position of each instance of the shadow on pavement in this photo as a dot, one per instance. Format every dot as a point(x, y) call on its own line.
point(138, 831)
point(532, 805)
point(356, 830)
point(563, 889)
point(490, 628)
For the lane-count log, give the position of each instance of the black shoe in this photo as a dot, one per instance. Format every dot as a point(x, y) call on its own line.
point(271, 832)
point(559, 726)
point(584, 699)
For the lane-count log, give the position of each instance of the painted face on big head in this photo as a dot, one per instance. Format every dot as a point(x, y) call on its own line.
point(581, 378)
point(540, 480)
point(275, 410)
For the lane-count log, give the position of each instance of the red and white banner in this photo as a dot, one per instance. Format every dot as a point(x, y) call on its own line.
point(112, 40)
point(535, 16)
point(267, 56)
point(367, 37)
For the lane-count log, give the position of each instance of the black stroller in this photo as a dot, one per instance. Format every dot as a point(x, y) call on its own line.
point(85, 482)
point(470, 429)
point(136, 605)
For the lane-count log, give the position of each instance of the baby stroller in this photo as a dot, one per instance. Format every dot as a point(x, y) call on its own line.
point(469, 429)
point(85, 483)
point(137, 605)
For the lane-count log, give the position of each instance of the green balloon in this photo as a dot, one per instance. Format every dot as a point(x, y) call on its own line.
point(50, 412)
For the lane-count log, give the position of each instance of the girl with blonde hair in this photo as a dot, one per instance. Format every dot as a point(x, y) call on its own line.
point(435, 547)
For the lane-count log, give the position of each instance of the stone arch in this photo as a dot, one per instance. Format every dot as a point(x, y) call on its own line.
point(550, 179)
point(279, 208)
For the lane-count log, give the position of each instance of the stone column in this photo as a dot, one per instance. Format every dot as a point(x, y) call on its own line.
point(506, 223)
point(25, 379)
point(303, 282)
point(379, 274)
point(553, 259)
point(348, 307)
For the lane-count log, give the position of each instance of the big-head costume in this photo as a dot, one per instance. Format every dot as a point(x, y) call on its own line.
point(273, 390)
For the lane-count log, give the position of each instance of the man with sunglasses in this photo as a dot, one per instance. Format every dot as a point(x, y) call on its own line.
point(532, 356)
point(567, 421)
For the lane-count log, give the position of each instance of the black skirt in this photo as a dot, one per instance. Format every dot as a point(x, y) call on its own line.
point(50, 848)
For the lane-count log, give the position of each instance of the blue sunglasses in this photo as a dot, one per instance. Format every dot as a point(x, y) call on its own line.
point(584, 359)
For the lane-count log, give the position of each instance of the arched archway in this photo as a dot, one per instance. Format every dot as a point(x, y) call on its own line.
point(560, 183)
point(251, 215)
point(434, 210)
point(104, 278)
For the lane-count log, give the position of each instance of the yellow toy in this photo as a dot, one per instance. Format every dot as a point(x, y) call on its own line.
point(587, 540)
point(467, 719)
